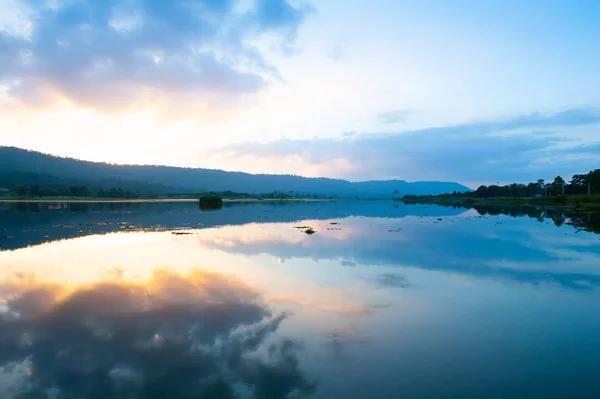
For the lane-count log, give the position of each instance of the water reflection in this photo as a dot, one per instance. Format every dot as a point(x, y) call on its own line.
point(588, 221)
point(25, 224)
point(383, 302)
point(203, 335)
point(468, 245)
point(68, 220)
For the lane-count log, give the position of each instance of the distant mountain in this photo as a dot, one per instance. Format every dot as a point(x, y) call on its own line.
point(19, 166)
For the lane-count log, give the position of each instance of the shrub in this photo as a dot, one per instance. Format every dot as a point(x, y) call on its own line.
point(560, 199)
point(211, 202)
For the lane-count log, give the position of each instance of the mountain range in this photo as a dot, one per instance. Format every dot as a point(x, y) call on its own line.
point(20, 166)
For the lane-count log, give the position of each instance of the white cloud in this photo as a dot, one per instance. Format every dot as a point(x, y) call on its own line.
point(108, 54)
point(501, 149)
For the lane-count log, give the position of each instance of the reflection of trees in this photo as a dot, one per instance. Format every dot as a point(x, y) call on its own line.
point(558, 218)
point(202, 336)
point(588, 221)
point(75, 207)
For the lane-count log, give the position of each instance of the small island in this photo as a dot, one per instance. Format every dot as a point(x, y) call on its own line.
point(211, 202)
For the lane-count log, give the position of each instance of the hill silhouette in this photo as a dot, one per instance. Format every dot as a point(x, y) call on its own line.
point(25, 167)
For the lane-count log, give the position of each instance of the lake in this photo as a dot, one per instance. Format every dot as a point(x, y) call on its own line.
point(385, 300)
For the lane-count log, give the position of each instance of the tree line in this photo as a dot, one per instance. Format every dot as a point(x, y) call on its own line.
point(81, 191)
point(579, 184)
point(36, 191)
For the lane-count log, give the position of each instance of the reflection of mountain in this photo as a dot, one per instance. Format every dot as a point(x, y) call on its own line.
point(478, 247)
point(35, 223)
point(199, 336)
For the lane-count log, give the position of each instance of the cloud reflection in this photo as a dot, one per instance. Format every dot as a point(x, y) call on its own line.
point(453, 245)
point(203, 335)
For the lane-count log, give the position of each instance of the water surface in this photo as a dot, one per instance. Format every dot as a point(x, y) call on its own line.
point(385, 300)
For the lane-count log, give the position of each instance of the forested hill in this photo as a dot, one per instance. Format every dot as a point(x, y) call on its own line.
point(18, 166)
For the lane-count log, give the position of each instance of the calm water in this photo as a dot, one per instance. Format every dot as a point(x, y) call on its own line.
point(384, 301)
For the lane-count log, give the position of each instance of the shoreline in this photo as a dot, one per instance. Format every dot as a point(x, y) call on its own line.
point(157, 200)
point(569, 202)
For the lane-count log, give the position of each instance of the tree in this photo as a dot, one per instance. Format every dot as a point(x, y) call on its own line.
point(115, 193)
point(578, 181)
point(34, 191)
point(481, 191)
point(395, 192)
point(558, 181)
point(532, 189)
point(20, 190)
point(578, 184)
point(540, 183)
point(593, 180)
point(559, 184)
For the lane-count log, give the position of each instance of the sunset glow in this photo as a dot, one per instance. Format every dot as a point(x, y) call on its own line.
point(331, 80)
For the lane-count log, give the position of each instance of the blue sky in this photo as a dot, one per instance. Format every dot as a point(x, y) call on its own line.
point(469, 91)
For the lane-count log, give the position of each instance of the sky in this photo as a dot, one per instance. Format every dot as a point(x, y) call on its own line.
point(476, 92)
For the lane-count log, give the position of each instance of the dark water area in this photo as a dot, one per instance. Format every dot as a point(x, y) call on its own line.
point(25, 224)
point(385, 300)
point(35, 223)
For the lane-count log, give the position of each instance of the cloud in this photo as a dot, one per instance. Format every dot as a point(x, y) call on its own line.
point(279, 14)
point(391, 117)
point(390, 280)
point(196, 336)
point(337, 52)
point(589, 148)
point(109, 54)
point(495, 150)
